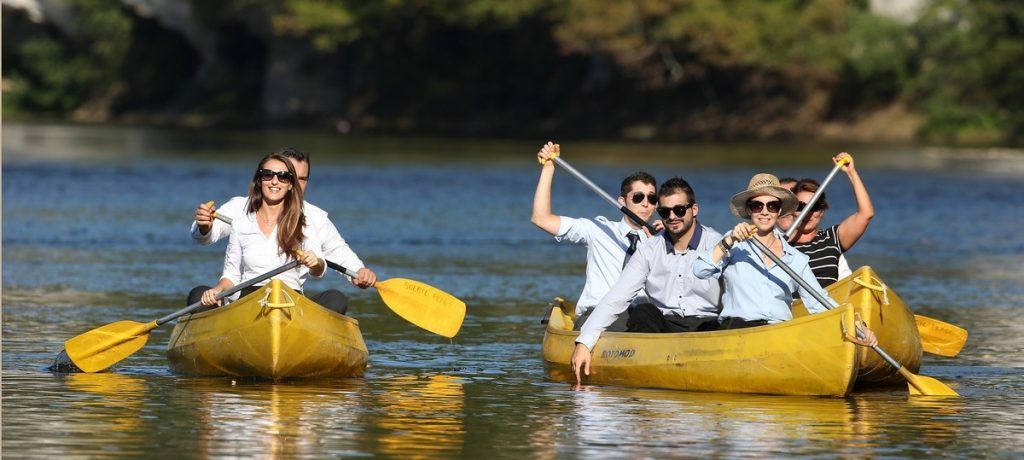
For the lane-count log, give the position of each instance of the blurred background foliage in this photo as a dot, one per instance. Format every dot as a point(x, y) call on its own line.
point(935, 70)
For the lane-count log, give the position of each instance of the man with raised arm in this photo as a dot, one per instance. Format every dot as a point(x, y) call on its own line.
point(609, 243)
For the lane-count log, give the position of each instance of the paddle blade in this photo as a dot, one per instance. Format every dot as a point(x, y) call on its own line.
point(922, 385)
point(104, 346)
point(939, 337)
point(423, 305)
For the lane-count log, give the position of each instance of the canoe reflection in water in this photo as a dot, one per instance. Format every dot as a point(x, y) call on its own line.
point(423, 416)
point(259, 418)
point(657, 423)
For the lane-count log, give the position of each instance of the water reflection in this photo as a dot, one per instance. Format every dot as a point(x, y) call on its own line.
point(656, 423)
point(112, 402)
point(276, 419)
point(422, 417)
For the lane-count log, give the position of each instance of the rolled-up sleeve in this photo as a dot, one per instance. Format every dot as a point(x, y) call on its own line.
point(705, 268)
point(633, 277)
point(572, 230)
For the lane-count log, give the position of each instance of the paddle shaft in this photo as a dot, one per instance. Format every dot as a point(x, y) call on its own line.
point(789, 271)
point(814, 200)
point(239, 287)
point(632, 216)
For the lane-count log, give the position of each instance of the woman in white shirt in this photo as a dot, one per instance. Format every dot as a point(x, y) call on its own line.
point(272, 232)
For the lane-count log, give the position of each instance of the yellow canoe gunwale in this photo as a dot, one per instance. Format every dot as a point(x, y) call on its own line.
point(804, 356)
point(286, 336)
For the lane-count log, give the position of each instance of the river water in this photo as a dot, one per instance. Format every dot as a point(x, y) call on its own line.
point(95, 230)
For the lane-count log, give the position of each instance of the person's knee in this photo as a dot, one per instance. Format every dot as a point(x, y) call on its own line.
point(196, 294)
point(333, 299)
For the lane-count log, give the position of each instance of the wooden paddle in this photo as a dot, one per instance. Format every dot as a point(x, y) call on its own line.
point(937, 337)
point(918, 384)
point(105, 346)
point(418, 303)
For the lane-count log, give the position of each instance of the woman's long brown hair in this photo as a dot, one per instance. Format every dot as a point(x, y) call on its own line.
point(291, 220)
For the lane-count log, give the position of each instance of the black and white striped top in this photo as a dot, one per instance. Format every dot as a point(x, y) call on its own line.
point(824, 251)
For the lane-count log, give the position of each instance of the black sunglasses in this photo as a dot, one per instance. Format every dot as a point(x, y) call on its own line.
point(679, 210)
point(801, 205)
point(755, 206)
point(637, 197)
point(267, 175)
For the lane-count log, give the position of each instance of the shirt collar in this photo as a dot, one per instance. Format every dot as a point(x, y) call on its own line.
point(624, 228)
point(694, 243)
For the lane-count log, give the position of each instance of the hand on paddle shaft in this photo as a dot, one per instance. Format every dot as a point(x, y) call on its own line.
point(551, 154)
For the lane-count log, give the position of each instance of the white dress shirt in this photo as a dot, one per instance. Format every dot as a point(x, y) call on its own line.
point(606, 249)
point(332, 245)
point(250, 253)
point(665, 276)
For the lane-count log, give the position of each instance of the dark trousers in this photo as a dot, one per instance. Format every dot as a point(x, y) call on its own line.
point(618, 326)
point(740, 323)
point(647, 317)
point(331, 298)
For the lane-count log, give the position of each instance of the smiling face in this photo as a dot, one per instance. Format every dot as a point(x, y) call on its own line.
point(676, 224)
point(275, 186)
point(644, 209)
point(764, 212)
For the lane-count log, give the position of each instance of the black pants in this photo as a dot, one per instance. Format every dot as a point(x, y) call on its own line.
point(331, 298)
point(647, 317)
point(618, 326)
point(740, 323)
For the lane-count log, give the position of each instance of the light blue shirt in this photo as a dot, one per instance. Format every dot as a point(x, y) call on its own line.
point(665, 276)
point(754, 291)
point(606, 243)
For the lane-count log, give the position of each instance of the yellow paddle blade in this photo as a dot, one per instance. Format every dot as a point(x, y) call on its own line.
point(423, 305)
point(104, 346)
point(922, 385)
point(939, 337)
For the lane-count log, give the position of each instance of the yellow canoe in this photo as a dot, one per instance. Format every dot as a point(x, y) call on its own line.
point(885, 313)
point(805, 356)
point(275, 333)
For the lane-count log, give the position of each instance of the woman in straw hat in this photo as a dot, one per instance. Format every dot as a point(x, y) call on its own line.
point(757, 291)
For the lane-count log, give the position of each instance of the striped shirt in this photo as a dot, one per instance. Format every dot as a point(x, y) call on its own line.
point(824, 252)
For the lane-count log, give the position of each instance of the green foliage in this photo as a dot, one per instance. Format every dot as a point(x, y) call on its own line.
point(60, 75)
point(617, 62)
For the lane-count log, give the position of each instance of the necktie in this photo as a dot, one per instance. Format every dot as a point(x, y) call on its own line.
point(633, 238)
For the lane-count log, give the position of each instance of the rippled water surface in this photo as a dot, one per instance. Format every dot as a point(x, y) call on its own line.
point(95, 227)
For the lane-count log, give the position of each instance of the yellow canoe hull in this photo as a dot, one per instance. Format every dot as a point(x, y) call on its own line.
point(888, 316)
point(805, 356)
point(274, 333)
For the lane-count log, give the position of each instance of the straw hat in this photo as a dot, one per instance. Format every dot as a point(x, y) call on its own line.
point(763, 184)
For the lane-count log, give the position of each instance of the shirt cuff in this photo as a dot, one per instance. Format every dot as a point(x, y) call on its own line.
point(589, 339)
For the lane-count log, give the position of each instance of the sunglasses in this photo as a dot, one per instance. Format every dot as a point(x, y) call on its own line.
point(267, 175)
point(755, 206)
point(801, 205)
point(679, 210)
point(638, 197)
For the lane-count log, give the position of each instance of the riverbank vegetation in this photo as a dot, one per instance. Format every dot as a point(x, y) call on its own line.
point(935, 70)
